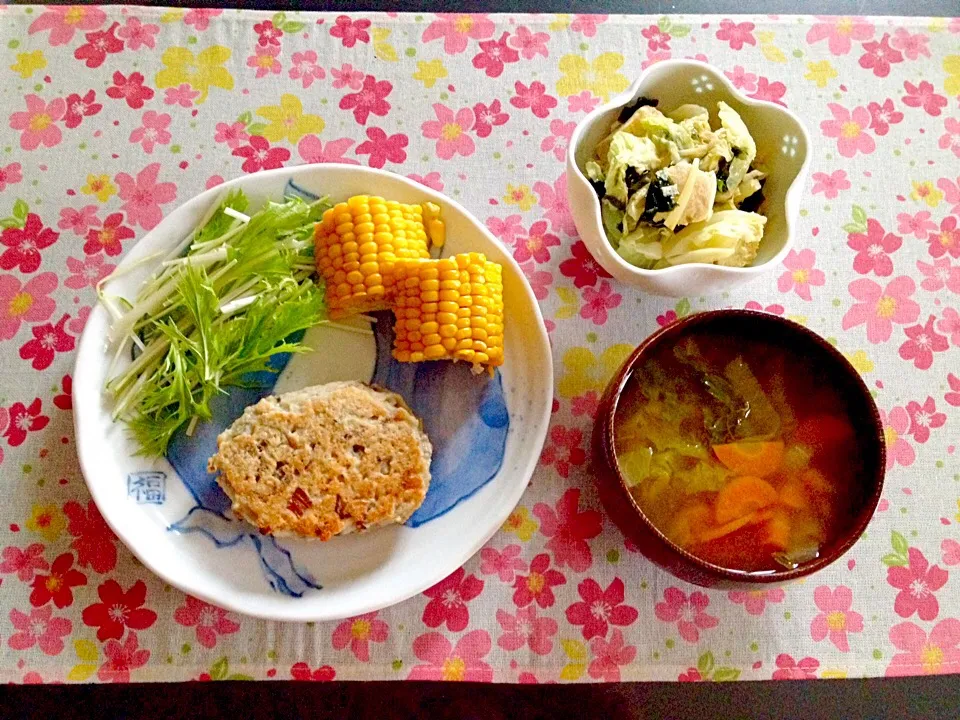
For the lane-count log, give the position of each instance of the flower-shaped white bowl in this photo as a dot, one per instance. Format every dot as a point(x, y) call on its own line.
point(782, 148)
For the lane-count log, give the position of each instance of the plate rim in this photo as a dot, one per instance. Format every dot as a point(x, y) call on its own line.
point(297, 612)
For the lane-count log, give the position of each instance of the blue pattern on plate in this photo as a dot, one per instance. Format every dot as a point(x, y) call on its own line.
point(188, 456)
point(464, 415)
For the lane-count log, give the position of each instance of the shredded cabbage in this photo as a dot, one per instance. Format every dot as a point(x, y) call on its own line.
point(743, 148)
point(730, 237)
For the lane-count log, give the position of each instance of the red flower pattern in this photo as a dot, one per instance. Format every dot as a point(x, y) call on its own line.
point(24, 244)
point(23, 562)
point(883, 116)
point(565, 450)
point(569, 529)
point(534, 97)
point(64, 400)
point(371, 98)
point(58, 585)
point(873, 249)
point(922, 342)
point(493, 55)
point(80, 107)
point(267, 33)
point(448, 601)
point(381, 147)
point(656, 38)
point(258, 155)
point(790, 669)
point(109, 237)
point(737, 34)
point(349, 31)
point(584, 270)
point(599, 608)
point(208, 620)
point(538, 585)
point(99, 44)
point(878, 56)
point(917, 583)
point(488, 117)
point(94, 541)
point(301, 671)
point(118, 610)
point(130, 89)
point(121, 659)
point(923, 96)
point(24, 419)
point(48, 340)
point(924, 418)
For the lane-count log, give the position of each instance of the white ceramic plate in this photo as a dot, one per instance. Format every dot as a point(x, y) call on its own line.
point(489, 439)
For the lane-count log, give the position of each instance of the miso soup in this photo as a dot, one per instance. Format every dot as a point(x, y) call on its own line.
point(739, 449)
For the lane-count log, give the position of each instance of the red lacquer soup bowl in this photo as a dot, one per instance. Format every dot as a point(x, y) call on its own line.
point(864, 445)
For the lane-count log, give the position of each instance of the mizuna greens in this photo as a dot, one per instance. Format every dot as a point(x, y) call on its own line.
point(233, 294)
point(674, 190)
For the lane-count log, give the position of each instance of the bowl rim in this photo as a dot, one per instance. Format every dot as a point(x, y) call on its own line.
point(790, 196)
point(873, 423)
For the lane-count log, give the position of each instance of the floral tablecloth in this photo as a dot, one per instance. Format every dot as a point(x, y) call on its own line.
point(111, 117)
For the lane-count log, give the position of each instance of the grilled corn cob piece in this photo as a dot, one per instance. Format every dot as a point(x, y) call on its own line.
point(357, 245)
point(450, 309)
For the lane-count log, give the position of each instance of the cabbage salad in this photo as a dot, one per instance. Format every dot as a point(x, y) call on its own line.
point(675, 189)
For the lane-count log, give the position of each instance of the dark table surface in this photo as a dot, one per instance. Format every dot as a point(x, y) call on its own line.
point(927, 698)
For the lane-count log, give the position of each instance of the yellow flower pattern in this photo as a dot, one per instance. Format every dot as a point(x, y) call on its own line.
point(583, 371)
point(47, 521)
point(521, 196)
point(201, 72)
point(428, 72)
point(861, 363)
point(521, 524)
point(820, 73)
point(287, 120)
point(600, 76)
point(951, 66)
point(926, 192)
point(28, 63)
point(100, 187)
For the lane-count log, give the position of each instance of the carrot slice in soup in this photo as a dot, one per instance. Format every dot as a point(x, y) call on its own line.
point(719, 531)
point(751, 458)
point(742, 496)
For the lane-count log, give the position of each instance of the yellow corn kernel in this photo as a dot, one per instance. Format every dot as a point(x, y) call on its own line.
point(437, 232)
point(357, 245)
point(449, 309)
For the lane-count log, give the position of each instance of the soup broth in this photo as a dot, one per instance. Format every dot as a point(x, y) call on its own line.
point(738, 451)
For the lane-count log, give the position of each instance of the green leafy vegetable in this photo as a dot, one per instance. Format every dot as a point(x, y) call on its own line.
point(242, 293)
point(762, 422)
